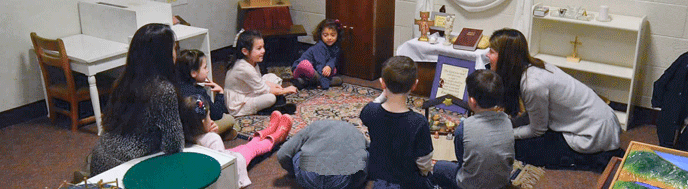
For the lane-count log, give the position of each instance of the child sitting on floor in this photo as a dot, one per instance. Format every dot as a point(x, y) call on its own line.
point(483, 143)
point(317, 66)
point(326, 154)
point(249, 92)
point(197, 126)
point(400, 145)
point(193, 75)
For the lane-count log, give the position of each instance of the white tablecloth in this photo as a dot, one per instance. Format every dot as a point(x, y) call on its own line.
point(421, 51)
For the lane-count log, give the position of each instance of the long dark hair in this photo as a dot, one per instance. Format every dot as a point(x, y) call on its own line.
point(149, 58)
point(513, 59)
point(244, 41)
point(333, 24)
point(192, 111)
point(187, 61)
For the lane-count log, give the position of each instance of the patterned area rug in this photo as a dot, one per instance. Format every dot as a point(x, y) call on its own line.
point(345, 103)
point(338, 103)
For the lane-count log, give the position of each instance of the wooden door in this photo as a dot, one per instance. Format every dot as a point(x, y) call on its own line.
point(368, 22)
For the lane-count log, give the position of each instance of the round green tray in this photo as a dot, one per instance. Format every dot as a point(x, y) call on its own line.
point(178, 170)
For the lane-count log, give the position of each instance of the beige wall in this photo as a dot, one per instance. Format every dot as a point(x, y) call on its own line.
point(19, 72)
point(668, 22)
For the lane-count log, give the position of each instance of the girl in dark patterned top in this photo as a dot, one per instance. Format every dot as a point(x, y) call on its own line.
point(142, 115)
point(193, 71)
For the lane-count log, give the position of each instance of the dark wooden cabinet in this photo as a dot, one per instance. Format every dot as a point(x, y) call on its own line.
point(368, 36)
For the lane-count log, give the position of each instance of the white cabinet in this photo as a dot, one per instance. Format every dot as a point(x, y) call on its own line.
point(609, 53)
point(118, 20)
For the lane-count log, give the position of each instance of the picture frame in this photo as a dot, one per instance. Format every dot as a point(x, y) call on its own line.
point(627, 174)
point(450, 78)
point(438, 18)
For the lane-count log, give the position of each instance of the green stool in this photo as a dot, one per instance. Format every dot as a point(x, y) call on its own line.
point(178, 170)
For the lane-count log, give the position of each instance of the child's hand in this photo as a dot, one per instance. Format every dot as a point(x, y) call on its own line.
point(212, 127)
point(214, 87)
point(327, 71)
point(290, 89)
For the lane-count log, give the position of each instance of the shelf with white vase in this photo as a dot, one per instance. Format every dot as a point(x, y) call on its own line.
point(609, 53)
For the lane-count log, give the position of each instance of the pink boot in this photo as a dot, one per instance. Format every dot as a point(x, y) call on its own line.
point(275, 119)
point(281, 134)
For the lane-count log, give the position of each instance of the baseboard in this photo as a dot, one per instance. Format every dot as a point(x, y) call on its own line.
point(23, 113)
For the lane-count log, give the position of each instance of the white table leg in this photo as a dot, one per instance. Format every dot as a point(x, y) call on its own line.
point(93, 89)
point(45, 93)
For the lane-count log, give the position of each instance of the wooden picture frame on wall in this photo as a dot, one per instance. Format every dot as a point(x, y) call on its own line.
point(450, 78)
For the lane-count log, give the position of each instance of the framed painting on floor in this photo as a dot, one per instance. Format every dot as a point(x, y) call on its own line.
point(450, 79)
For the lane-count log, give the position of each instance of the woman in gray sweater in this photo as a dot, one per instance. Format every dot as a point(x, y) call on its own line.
point(570, 126)
point(142, 116)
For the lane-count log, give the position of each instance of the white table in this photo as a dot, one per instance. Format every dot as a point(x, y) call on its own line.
point(90, 55)
point(228, 175)
point(420, 51)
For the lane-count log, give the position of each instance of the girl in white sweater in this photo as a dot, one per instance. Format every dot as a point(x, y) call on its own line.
point(248, 91)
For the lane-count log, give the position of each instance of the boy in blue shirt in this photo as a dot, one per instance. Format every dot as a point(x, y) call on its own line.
point(400, 146)
point(484, 143)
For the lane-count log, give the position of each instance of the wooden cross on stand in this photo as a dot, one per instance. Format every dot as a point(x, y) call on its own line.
point(574, 57)
point(424, 25)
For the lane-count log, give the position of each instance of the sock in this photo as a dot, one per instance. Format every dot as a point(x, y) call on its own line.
point(304, 69)
point(380, 99)
point(253, 148)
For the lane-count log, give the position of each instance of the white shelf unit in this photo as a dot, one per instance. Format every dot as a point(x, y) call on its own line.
point(609, 53)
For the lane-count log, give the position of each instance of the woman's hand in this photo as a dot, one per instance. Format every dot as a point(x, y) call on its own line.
point(214, 87)
point(326, 71)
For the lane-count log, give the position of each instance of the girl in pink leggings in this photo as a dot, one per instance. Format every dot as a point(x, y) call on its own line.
point(198, 129)
point(317, 66)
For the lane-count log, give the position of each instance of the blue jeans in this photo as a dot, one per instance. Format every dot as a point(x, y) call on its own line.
point(314, 180)
point(444, 172)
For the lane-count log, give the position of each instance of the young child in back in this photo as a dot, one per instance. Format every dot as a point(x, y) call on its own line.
point(249, 92)
point(197, 126)
point(317, 66)
point(400, 146)
point(193, 75)
point(484, 143)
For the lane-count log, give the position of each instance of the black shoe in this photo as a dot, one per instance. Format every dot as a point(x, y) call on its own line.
point(336, 81)
point(287, 108)
point(299, 83)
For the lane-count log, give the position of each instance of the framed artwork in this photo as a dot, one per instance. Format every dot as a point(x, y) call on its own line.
point(439, 19)
point(450, 78)
point(651, 166)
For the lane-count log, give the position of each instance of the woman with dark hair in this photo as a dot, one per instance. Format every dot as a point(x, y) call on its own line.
point(142, 114)
point(569, 127)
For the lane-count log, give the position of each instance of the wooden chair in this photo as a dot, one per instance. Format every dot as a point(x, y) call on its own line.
point(52, 53)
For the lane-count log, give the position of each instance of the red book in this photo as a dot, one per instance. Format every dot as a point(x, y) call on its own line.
point(468, 39)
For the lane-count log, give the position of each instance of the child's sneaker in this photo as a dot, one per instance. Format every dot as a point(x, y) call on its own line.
point(299, 83)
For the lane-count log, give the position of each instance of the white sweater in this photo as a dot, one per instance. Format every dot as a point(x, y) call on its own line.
point(557, 101)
